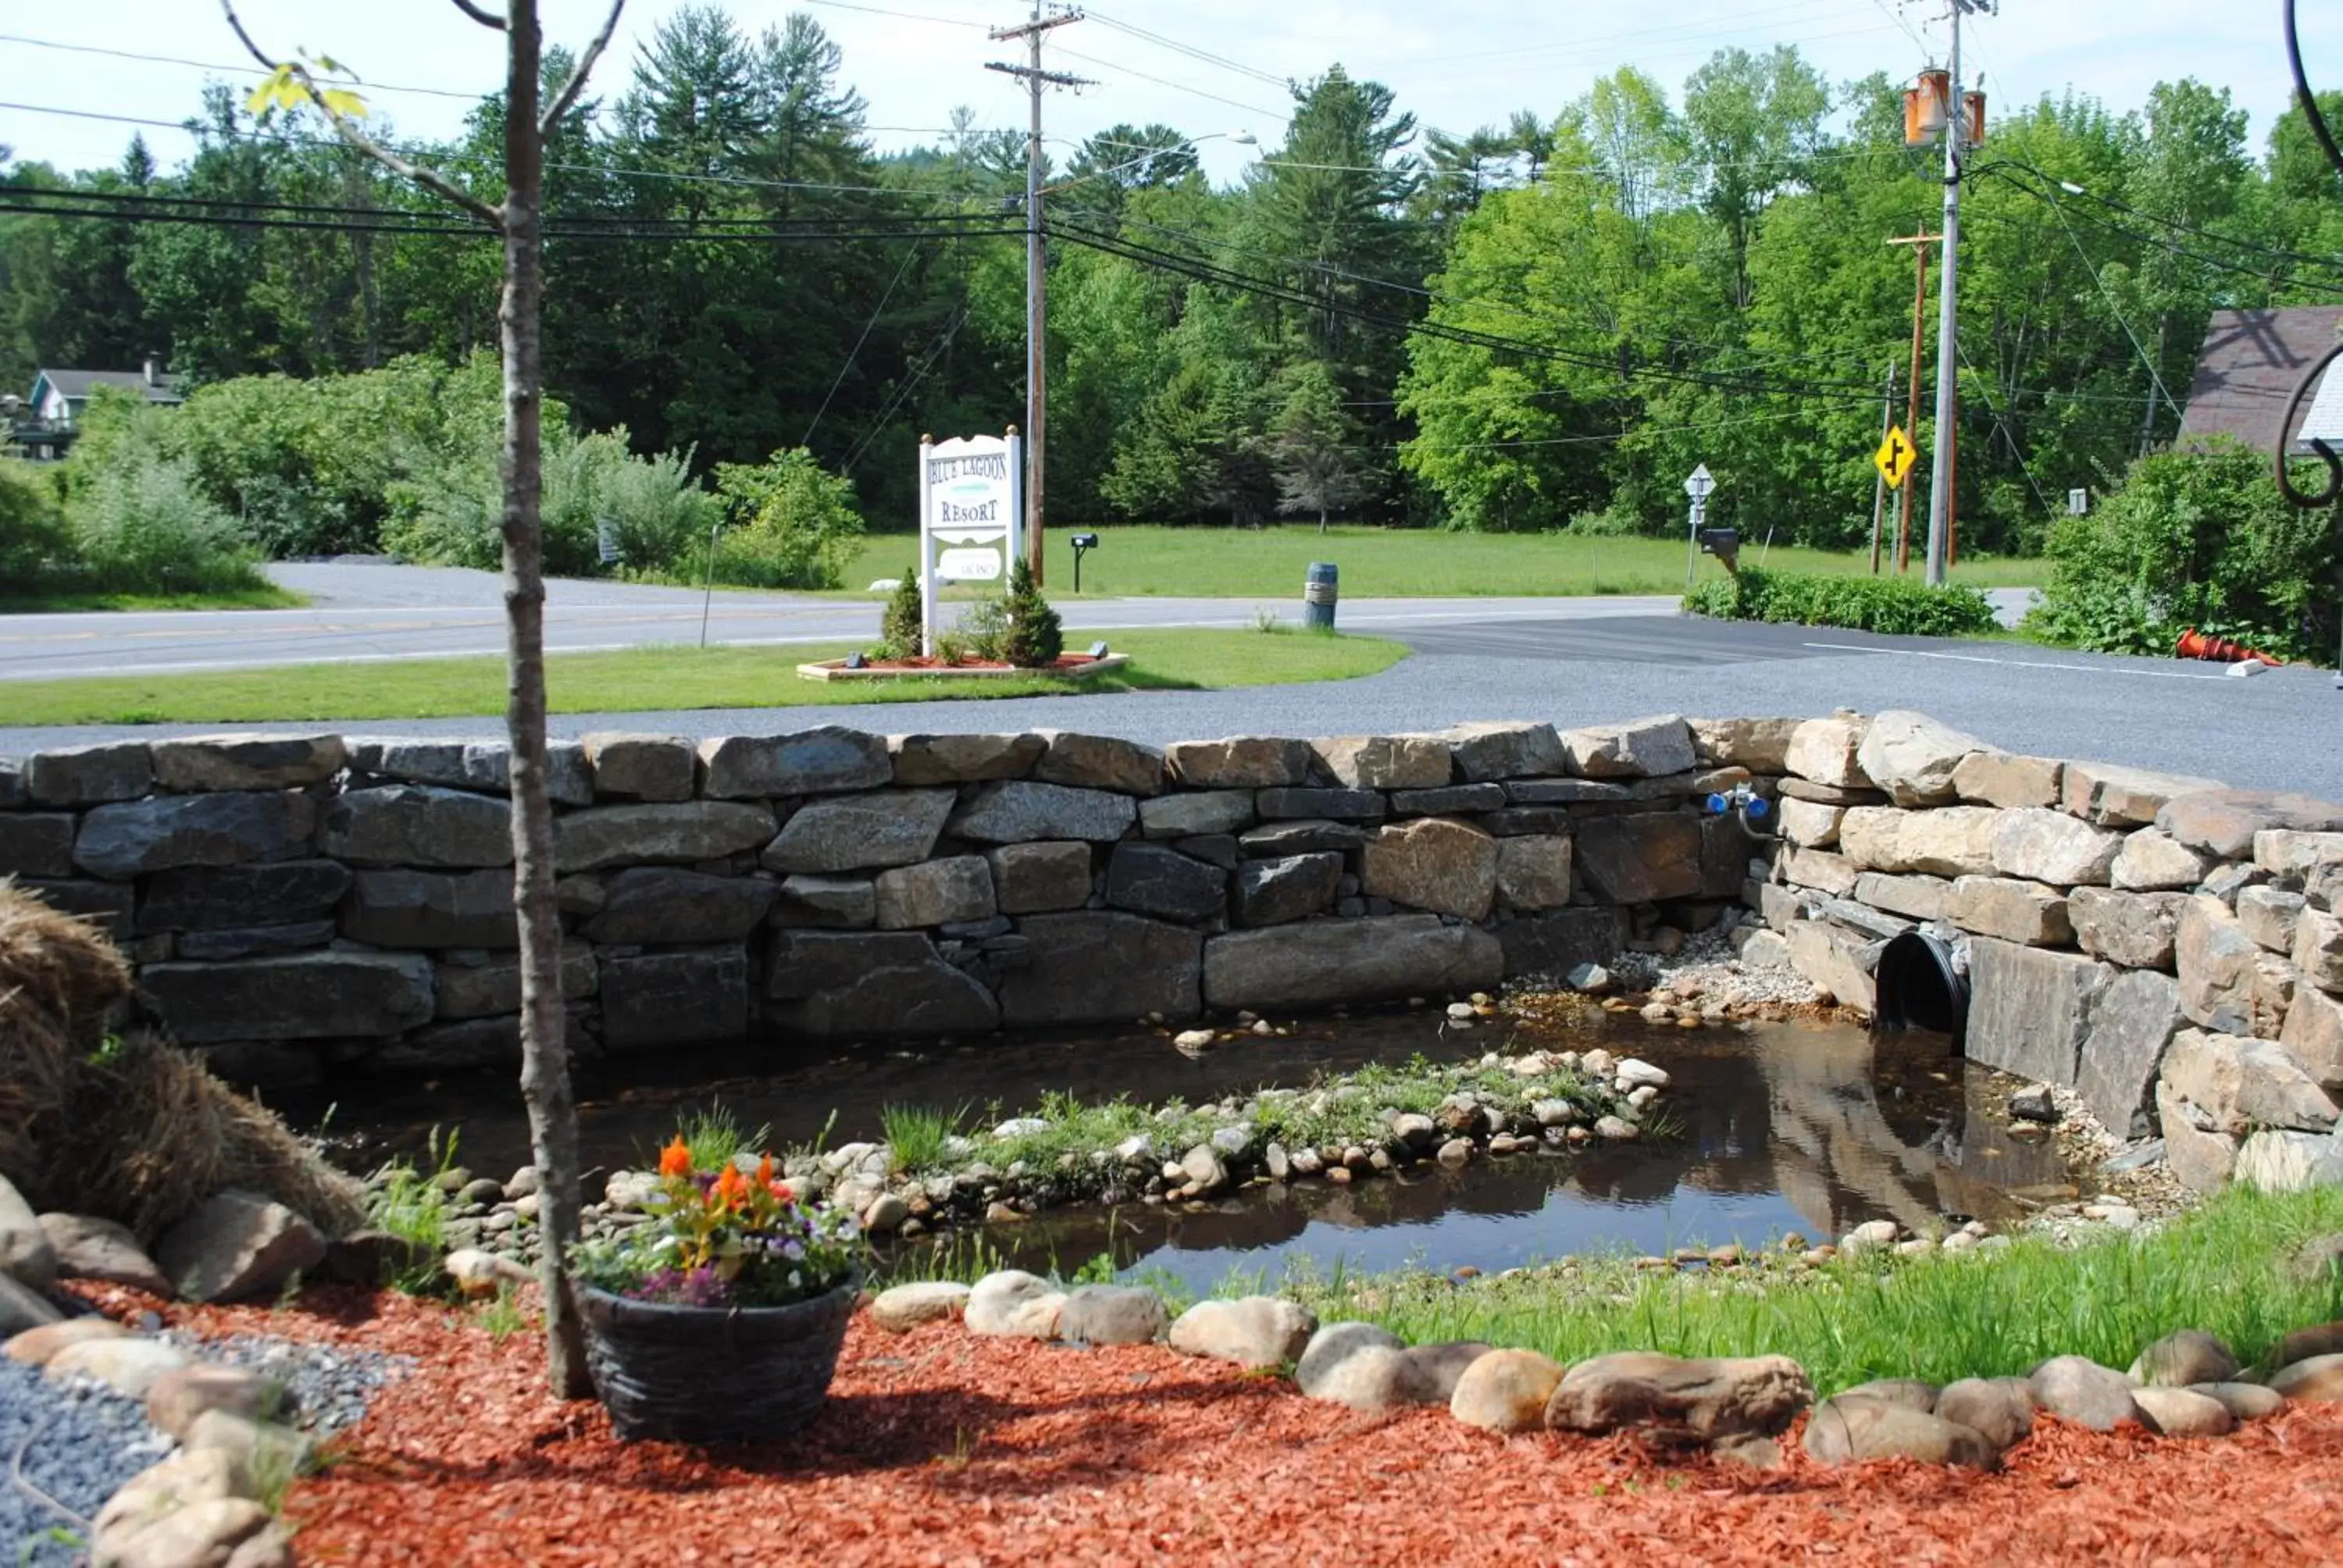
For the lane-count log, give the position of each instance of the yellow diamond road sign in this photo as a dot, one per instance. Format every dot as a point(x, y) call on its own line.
point(1896, 455)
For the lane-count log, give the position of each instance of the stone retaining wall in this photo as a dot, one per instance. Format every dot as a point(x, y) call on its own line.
point(2165, 945)
point(304, 904)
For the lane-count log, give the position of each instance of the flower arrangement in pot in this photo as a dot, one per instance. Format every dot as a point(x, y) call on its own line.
point(720, 1319)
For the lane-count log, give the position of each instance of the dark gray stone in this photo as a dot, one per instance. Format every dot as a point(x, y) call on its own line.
point(415, 825)
point(1321, 963)
point(1557, 943)
point(37, 844)
point(1486, 752)
point(2030, 1008)
point(858, 833)
point(820, 761)
point(1213, 849)
point(2131, 1022)
point(964, 759)
point(305, 996)
point(1272, 892)
point(1300, 838)
point(209, 762)
point(1101, 967)
point(213, 897)
point(660, 904)
point(130, 840)
point(1528, 821)
point(1642, 858)
point(1150, 880)
point(1338, 805)
point(484, 766)
point(1099, 763)
point(1031, 878)
point(880, 984)
point(89, 775)
point(1196, 813)
point(683, 834)
point(641, 766)
point(474, 990)
point(1239, 762)
point(1564, 791)
point(694, 996)
point(13, 793)
point(844, 903)
point(1018, 811)
point(400, 909)
point(106, 905)
point(463, 1045)
point(1447, 801)
point(252, 941)
point(943, 892)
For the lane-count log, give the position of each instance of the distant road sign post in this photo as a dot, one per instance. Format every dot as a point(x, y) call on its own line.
point(1697, 485)
point(1894, 458)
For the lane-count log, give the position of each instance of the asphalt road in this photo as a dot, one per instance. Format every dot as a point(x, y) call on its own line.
point(1569, 662)
point(373, 612)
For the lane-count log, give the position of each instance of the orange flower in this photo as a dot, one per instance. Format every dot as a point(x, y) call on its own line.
point(675, 1160)
point(765, 1171)
point(731, 1188)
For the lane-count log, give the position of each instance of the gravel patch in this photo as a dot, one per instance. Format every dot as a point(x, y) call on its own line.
point(78, 1443)
point(329, 1384)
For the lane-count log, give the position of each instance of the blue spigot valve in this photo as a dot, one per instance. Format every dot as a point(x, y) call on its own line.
point(1754, 808)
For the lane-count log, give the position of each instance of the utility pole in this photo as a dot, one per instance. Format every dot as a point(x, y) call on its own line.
point(1879, 488)
point(1956, 142)
point(1919, 244)
point(1037, 261)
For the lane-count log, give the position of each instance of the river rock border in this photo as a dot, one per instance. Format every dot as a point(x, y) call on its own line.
point(2187, 1385)
point(300, 906)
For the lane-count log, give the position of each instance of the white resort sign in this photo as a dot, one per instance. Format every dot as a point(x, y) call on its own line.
point(971, 516)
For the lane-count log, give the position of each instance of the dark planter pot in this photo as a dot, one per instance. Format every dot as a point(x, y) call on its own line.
point(713, 1374)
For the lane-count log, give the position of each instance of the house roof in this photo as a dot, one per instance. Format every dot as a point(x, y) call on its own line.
point(2247, 370)
point(77, 384)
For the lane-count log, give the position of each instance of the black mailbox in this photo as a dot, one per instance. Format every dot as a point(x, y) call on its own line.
point(1724, 544)
point(1080, 542)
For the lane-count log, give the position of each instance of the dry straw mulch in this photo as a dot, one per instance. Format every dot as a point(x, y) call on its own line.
point(100, 1115)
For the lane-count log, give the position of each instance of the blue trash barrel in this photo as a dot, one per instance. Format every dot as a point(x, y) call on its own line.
point(1318, 595)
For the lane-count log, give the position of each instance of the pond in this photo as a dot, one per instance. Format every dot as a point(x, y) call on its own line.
point(1780, 1127)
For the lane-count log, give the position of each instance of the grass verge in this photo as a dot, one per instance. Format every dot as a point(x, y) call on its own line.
point(2225, 1268)
point(661, 678)
point(1140, 560)
point(265, 597)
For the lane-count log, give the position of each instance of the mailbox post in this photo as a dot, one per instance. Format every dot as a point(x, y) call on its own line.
point(1081, 542)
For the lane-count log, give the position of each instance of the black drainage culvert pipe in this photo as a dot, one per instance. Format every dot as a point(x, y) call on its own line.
point(1920, 988)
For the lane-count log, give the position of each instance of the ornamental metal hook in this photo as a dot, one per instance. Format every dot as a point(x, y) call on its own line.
point(2333, 486)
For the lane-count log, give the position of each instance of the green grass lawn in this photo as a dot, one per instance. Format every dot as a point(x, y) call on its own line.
point(266, 597)
point(1215, 562)
point(636, 679)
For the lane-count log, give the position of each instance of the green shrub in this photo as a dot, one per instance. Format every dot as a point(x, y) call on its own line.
point(902, 622)
point(2194, 539)
point(33, 541)
point(797, 523)
point(137, 517)
point(1902, 607)
point(1034, 637)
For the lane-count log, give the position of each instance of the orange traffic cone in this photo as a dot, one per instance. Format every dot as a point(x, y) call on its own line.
point(2194, 644)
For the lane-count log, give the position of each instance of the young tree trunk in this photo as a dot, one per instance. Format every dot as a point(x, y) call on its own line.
point(1321, 520)
point(545, 1053)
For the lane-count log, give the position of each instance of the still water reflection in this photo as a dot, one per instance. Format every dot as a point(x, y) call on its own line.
point(1784, 1127)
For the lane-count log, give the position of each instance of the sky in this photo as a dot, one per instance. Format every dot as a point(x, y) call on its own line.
point(1456, 64)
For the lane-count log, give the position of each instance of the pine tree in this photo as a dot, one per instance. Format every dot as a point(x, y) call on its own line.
point(900, 624)
point(1035, 637)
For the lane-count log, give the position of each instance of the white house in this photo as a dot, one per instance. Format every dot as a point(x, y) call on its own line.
point(54, 411)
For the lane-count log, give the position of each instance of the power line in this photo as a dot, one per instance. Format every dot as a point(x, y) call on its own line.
point(1176, 86)
point(1205, 56)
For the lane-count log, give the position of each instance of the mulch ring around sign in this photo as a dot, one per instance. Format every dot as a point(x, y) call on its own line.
point(939, 1447)
point(1066, 666)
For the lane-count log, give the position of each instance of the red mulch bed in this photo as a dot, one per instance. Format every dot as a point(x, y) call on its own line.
point(940, 1448)
point(945, 666)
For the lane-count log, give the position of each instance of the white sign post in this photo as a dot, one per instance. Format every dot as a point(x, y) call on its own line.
point(971, 516)
point(1697, 485)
